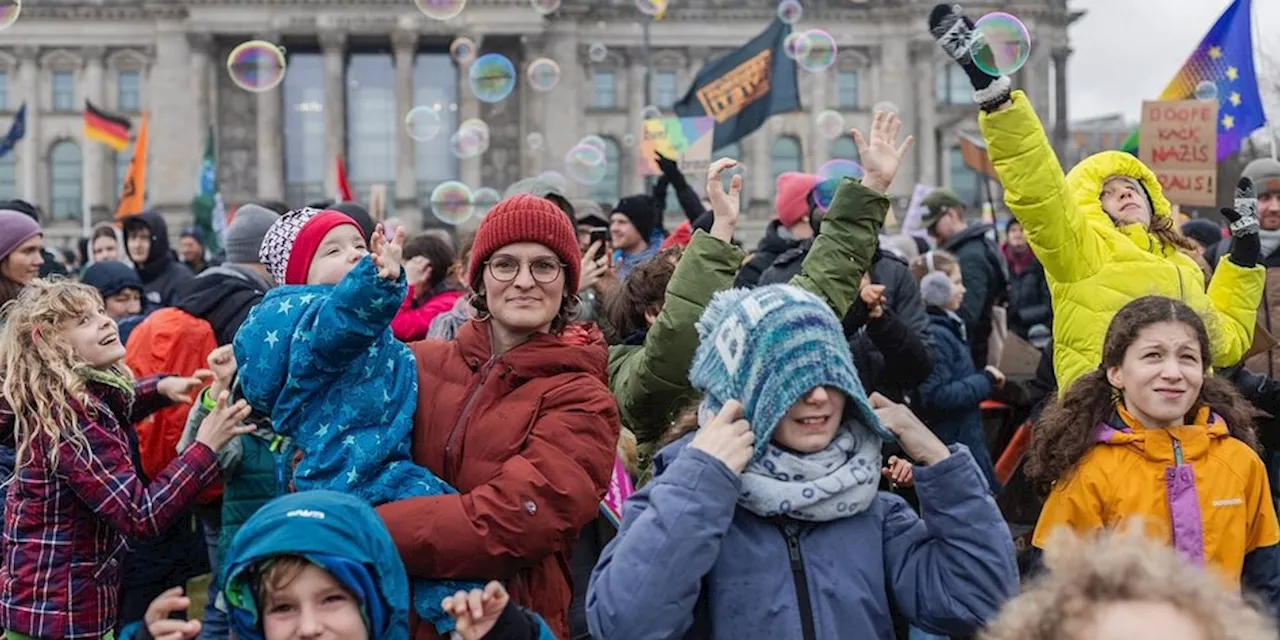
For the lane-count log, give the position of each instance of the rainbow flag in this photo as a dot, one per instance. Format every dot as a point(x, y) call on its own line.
point(1225, 58)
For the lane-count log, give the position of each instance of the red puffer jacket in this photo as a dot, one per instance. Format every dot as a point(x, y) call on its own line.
point(528, 439)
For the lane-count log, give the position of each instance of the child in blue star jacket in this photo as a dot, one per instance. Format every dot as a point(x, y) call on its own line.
point(318, 355)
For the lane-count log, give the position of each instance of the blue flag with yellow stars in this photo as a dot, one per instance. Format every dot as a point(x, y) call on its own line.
point(1224, 58)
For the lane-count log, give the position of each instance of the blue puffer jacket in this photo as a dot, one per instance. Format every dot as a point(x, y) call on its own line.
point(689, 563)
point(949, 400)
point(322, 361)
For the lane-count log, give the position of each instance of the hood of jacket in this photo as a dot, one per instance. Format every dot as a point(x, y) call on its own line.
point(161, 255)
point(1085, 181)
point(580, 348)
point(222, 296)
point(1158, 445)
point(110, 278)
point(777, 239)
point(335, 531)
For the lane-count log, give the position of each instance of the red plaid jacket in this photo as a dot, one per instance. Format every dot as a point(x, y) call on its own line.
point(65, 523)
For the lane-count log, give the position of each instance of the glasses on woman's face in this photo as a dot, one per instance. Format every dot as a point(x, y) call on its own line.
point(543, 270)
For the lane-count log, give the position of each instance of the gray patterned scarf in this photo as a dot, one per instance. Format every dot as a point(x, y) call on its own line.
point(837, 482)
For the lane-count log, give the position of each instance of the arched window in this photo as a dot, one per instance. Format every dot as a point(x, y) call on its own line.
point(785, 156)
point(610, 188)
point(8, 178)
point(64, 180)
point(843, 148)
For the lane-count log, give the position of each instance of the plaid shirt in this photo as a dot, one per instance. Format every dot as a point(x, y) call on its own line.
point(66, 523)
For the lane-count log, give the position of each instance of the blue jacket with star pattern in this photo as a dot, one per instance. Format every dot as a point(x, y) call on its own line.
point(322, 362)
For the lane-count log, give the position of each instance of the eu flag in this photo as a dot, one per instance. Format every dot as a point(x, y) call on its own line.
point(16, 131)
point(1224, 58)
point(744, 87)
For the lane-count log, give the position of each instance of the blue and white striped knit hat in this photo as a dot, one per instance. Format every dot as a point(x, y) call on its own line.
point(767, 348)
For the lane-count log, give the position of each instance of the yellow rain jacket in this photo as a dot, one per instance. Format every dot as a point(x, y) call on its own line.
point(1194, 487)
point(1095, 268)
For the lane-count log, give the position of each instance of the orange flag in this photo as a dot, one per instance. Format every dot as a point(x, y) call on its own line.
point(134, 191)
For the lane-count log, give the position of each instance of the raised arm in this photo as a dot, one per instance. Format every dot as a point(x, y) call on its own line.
point(361, 307)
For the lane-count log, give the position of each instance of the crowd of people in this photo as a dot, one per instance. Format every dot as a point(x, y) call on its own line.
point(576, 423)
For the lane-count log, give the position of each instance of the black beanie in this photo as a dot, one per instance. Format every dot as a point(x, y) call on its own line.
point(1205, 232)
point(642, 213)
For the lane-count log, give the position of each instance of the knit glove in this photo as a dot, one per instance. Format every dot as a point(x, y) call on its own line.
point(1242, 220)
point(954, 33)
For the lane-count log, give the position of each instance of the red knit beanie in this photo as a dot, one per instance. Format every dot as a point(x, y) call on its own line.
point(791, 199)
point(526, 218)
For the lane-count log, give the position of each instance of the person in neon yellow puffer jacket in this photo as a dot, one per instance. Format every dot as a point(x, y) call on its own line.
point(1097, 260)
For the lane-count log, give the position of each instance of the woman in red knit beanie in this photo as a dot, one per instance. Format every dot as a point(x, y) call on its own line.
point(515, 413)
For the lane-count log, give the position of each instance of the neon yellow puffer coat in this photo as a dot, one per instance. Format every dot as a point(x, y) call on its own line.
point(1095, 268)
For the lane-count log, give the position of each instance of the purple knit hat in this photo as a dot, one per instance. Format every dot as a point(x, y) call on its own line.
point(15, 228)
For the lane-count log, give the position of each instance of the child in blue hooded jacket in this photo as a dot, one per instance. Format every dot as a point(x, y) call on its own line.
point(321, 562)
point(318, 355)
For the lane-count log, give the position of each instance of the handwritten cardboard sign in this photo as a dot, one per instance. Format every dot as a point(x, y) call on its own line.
point(1179, 142)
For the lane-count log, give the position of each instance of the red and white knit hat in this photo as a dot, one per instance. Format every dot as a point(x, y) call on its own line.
point(291, 242)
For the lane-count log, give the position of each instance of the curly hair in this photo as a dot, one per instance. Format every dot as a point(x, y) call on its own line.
point(1110, 568)
point(40, 371)
point(1163, 228)
point(643, 289)
point(1066, 430)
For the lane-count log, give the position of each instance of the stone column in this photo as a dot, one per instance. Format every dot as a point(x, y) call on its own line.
point(270, 139)
point(468, 107)
point(1060, 132)
point(333, 44)
point(29, 149)
point(405, 46)
point(632, 181)
point(926, 116)
point(93, 156)
point(201, 44)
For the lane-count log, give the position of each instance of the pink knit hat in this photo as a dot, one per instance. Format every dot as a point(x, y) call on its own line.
point(15, 229)
point(791, 200)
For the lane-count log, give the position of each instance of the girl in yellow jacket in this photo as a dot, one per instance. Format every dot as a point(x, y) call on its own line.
point(1104, 233)
point(1151, 434)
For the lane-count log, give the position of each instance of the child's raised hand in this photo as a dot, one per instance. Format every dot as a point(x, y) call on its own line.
point(476, 613)
point(222, 362)
point(179, 389)
point(724, 206)
point(898, 472)
point(224, 423)
point(160, 627)
point(387, 255)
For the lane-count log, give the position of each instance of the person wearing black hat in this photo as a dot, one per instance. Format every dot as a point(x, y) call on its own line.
point(631, 227)
point(193, 250)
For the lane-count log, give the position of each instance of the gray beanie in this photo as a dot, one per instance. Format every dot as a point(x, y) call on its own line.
point(1265, 174)
point(935, 289)
point(244, 235)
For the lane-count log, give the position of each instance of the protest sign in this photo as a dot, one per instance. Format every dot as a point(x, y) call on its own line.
point(685, 140)
point(1179, 142)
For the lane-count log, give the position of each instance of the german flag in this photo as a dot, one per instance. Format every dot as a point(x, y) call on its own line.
point(103, 127)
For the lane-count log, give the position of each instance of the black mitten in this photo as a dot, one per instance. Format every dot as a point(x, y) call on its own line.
point(1246, 246)
point(954, 33)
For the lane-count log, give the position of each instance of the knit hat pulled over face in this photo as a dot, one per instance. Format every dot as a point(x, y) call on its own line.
point(243, 238)
point(291, 242)
point(16, 228)
point(791, 199)
point(641, 211)
point(769, 347)
point(527, 218)
point(1265, 173)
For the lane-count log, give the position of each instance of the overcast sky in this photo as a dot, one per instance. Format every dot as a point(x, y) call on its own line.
point(1153, 38)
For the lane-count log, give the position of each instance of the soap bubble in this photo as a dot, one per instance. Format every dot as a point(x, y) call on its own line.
point(462, 49)
point(597, 52)
point(629, 140)
point(545, 7)
point(484, 199)
point(9, 14)
point(829, 176)
point(440, 9)
point(1206, 90)
point(468, 142)
point(650, 7)
point(830, 124)
point(795, 45)
point(492, 78)
point(885, 106)
point(650, 113)
point(451, 202)
point(789, 11)
point(594, 141)
point(586, 164)
point(544, 74)
point(555, 179)
point(534, 140)
point(479, 125)
point(818, 52)
point(423, 123)
point(256, 65)
point(1001, 44)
